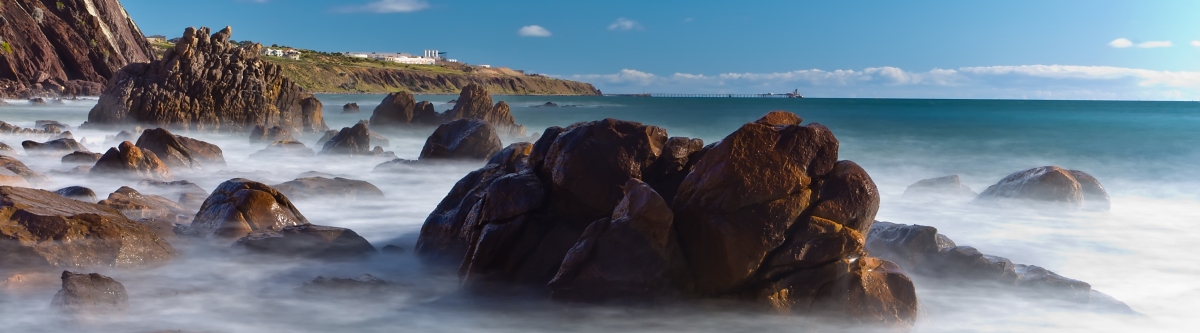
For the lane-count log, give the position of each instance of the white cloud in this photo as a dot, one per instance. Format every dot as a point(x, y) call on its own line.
point(1196, 43)
point(1031, 81)
point(1154, 44)
point(624, 24)
point(1120, 43)
point(388, 6)
point(533, 31)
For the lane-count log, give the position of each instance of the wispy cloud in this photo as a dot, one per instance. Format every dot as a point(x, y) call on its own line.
point(1032, 81)
point(1154, 44)
point(1196, 43)
point(1120, 43)
point(386, 6)
point(624, 24)
point(533, 31)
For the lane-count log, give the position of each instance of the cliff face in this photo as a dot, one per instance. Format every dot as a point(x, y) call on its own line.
point(350, 79)
point(65, 47)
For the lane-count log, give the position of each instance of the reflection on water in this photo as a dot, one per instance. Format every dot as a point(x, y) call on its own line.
point(1145, 153)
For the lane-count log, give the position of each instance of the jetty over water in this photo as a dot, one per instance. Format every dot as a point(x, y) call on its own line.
point(767, 95)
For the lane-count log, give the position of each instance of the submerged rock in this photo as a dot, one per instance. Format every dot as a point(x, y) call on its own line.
point(321, 187)
point(350, 108)
point(1071, 189)
point(261, 133)
point(284, 148)
point(207, 83)
point(90, 296)
point(41, 228)
point(463, 139)
point(179, 151)
point(308, 241)
point(240, 206)
point(78, 193)
point(52, 146)
point(81, 157)
point(6, 150)
point(137, 206)
point(948, 186)
point(350, 141)
point(130, 161)
point(15, 173)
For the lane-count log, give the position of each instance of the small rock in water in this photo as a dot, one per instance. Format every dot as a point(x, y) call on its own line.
point(90, 297)
point(78, 193)
point(948, 186)
point(308, 241)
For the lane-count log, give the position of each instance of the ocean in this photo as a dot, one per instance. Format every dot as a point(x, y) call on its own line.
point(1145, 153)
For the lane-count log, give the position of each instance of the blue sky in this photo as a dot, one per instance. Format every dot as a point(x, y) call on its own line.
point(1086, 49)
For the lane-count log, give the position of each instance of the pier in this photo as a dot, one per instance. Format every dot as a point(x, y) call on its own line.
point(794, 94)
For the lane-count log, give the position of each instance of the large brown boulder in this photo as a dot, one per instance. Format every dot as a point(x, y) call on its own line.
point(337, 187)
point(350, 141)
point(1055, 186)
point(52, 147)
point(400, 109)
point(474, 102)
point(206, 83)
point(308, 241)
point(40, 228)
point(66, 47)
point(240, 206)
point(90, 296)
point(463, 139)
point(15, 173)
point(130, 161)
point(180, 152)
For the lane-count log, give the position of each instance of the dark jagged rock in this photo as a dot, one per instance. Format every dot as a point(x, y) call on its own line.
point(65, 47)
point(260, 133)
point(41, 228)
point(321, 187)
point(180, 152)
point(37, 101)
point(81, 157)
point(241, 206)
point(1071, 189)
point(308, 241)
point(463, 139)
point(78, 193)
point(53, 146)
point(948, 186)
point(350, 108)
point(66, 135)
point(350, 141)
point(15, 173)
point(284, 148)
point(767, 215)
point(475, 103)
point(136, 206)
point(924, 252)
point(128, 160)
point(206, 83)
point(379, 152)
point(401, 109)
point(185, 193)
point(90, 296)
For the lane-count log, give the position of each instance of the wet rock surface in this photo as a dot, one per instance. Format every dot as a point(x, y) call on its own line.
point(206, 83)
point(78, 193)
point(130, 161)
point(333, 188)
point(240, 206)
point(308, 241)
point(767, 215)
point(350, 141)
point(1050, 185)
point(463, 139)
point(90, 296)
point(180, 152)
point(41, 228)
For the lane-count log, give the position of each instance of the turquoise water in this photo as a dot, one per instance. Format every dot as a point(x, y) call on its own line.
point(1145, 153)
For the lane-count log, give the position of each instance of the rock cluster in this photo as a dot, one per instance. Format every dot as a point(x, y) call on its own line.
point(1072, 189)
point(241, 206)
point(463, 139)
point(610, 210)
point(127, 160)
point(207, 83)
point(180, 152)
point(401, 109)
point(41, 228)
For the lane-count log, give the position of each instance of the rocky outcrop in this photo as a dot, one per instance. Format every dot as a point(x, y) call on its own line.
point(81, 158)
point(241, 206)
point(10, 129)
point(284, 148)
point(180, 152)
point(15, 173)
point(401, 109)
point(948, 186)
point(137, 206)
point(130, 161)
point(767, 215)
point(90, 296)
point(475, 103)
point(924, 252)
point(56, 146)
point(206, 83)
point(261, 133)
point(350, 141)
point(350, 108)
point(65, 47)
point(1070, 189)
point(308, 241)
point(78, 193)
point(463, 139)
point(334, 188)
point(41, 228)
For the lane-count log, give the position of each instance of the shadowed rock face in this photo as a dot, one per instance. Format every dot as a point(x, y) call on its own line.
point(474, 102)
point(240, 206)
point(71, 48)
point(53, 146)
point(463, 139)
point(767, 215)
point(206, 83)
point(309, 241)
point(350, 108)
point(179, 151)
point(81, 157)
point(78, 193)
point(90, 296)
point(1071, 189)
point(284, 148)
point(401, 109)
point(130, 161)
point(41, 228)
point(350, 141)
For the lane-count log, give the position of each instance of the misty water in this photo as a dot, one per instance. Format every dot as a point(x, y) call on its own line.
point(1145, 153)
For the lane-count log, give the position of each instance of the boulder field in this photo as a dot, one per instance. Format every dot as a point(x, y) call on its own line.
point(401, 109)
point(615, 210)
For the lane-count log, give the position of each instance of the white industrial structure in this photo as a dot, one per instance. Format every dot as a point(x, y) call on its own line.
point(403, 58)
